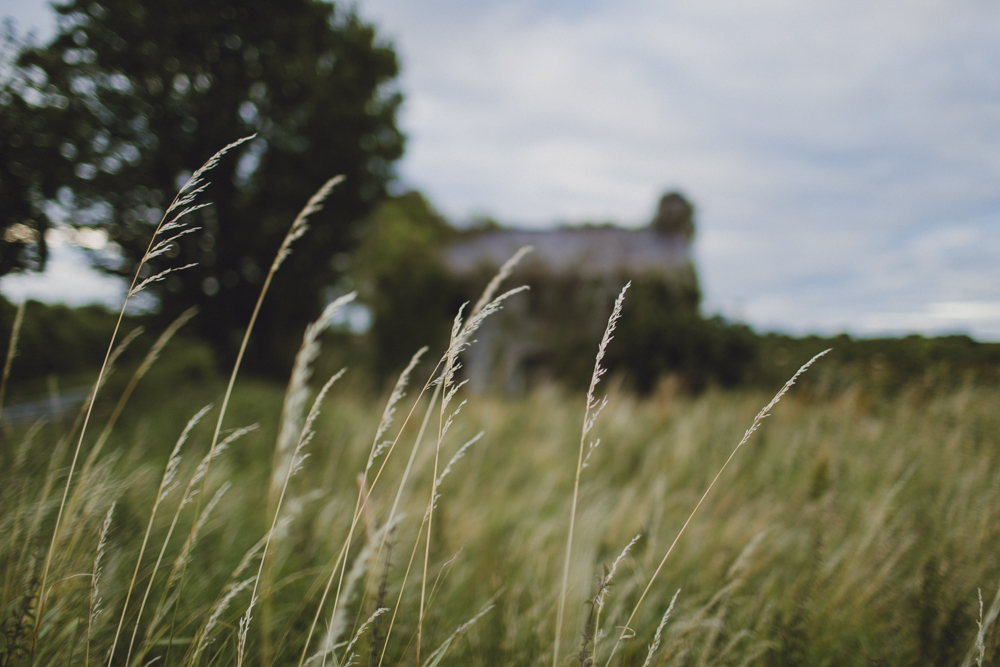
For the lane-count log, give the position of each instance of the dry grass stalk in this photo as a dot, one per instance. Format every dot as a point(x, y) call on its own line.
point(348, 656)
point(502, 275)
point(457, 455)
point(158, 613)
point(339, 616)
point(398, 393)
point(95, 597)
point(202, 637)
point(448, 391)
point(201, 518)
point(241, 634)
point(147, 363)
point(592, 410)
point(434, 659)
point(15, 333)
point(213, 617)
point(383, 589)
point(395, 504)
point(183, 204)
point(167, 484)
point(461, 338)
point(763, 414)
point(60, 450)
point(413, 452)
point(604, 585)
point(292, 416)
point(293, 409)
point(299, 227)
point(977, 651)
point(338, 620)
point(379, 445)
point(659, 631)
point(297, 458)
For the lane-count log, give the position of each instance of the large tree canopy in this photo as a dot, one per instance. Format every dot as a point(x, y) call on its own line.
point(110, 118)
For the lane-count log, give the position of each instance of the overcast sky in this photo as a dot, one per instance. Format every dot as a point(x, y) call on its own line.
point(843, 155)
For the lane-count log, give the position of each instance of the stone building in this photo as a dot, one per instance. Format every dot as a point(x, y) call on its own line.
point(574, 274)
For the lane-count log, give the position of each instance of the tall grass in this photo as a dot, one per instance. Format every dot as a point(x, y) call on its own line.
point(872, 523)
point(172, 223)
point(853, 528)
point(591, 411)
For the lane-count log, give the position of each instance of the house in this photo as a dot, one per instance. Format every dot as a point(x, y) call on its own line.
point(574, 274)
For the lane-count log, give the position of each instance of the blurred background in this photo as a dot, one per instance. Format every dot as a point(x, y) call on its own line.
point(839, 161)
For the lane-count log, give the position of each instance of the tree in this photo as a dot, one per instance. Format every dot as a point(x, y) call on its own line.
point(131, 96)
point(411, 295)
point(24, 154)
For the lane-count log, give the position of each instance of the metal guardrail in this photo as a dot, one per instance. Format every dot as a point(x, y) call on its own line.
point(51, 407)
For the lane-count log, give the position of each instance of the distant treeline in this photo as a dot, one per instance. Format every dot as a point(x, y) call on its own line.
point(883, 363)
point(61, 348)
point(691, 352)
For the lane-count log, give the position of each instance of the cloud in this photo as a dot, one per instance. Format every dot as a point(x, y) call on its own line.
point(939, 318)
point(844, 155)
point(30, 16)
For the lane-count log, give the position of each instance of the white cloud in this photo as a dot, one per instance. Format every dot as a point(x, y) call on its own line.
point(981, 318)
point(844, 155)
point(30, 16)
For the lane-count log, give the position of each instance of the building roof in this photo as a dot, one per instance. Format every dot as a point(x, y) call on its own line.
point(581, 251)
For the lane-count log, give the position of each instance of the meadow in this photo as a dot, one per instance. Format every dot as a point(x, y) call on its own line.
point(851, 529)
point(248, 523)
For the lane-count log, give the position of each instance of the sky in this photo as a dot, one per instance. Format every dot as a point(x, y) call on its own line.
point(843, 156)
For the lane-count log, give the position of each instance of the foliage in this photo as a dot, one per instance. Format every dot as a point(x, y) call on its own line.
point(881, 364)
point(654, 344)
point(57, 339)
point(662, 334)
point(398, 268)
point(67, 344)
point(111, 115)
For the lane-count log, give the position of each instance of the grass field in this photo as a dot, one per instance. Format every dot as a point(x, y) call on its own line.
point(189, 525)
point(852, 528)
